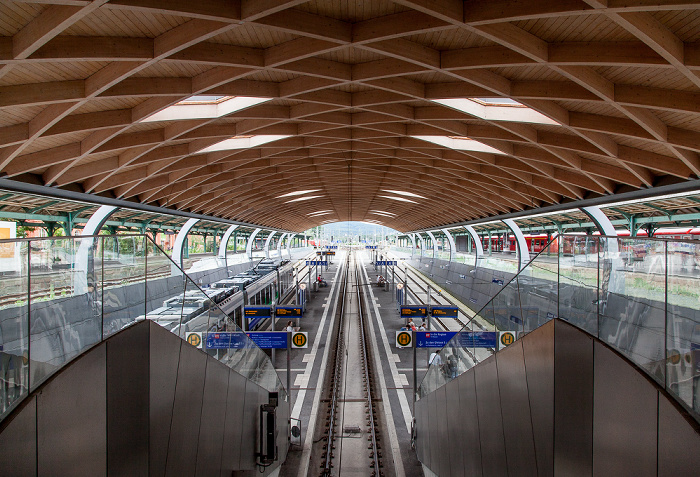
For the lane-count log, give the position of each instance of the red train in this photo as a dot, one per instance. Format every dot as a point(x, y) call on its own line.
point(536, 243)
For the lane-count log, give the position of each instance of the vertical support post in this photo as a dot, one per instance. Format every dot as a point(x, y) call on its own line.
point(451, 241)
point(179, 246)
point(289, 372)
point(415, 372)
point(435, 246)
point(83, 265)
point(421, 245)
point(428, 317)
point(249, 245)
point(224, 244)
point(267, 244)
point(520, 243)
point(478, 248)
point(413, 246)
point(289, 245)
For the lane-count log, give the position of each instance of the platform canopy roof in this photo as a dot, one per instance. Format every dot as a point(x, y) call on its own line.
point(409, 113)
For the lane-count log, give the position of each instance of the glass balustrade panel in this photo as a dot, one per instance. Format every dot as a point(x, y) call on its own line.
point(14, 323)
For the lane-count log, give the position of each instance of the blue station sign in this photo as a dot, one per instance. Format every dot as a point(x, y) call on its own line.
point(289, 312)
point(240, 340)
point(269, 339)
point(227, 340)
point(444, 311)
point(465, 339)
point(371, 247)
point(322, 263)
point(409, 311)
point(388, 263)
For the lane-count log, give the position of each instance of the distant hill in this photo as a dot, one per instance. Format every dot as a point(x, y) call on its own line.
point(351, 229)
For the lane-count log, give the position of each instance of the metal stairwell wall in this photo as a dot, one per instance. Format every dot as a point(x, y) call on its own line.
point(141, 402)
point(557, 402)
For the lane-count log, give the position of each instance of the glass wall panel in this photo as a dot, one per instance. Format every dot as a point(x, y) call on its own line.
point(631, 308)
point(578, 281)
point(14, 323)
point(683, 322)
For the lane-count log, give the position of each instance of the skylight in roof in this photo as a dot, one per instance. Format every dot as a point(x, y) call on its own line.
point(204, 99)
point(299, 199)
point(496, 112)
point(318, 215)
point(298, 192)
point(402, 199)
point(319, 211)
point(498, 102)
point(400, 192)
point(460, 143)
point(242, 142)
point(384, 212)
point(195, 107)
point(383, 215)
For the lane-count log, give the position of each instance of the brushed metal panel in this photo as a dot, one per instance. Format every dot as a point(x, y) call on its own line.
point(18, 443)
point(72, 419)
point(249, 435)
point(231, 443)
point(127, 401)
point(493, 450)
point(434, 456)
point(679, 442)
point(211, 427)
point(469, 437)
point(624, 418)
point(515, 409)
point(164, 357)
point(455, 422)
point(283, 429)
point(538, 350)
point(422, 431)
point(187, 410)
point(443, 443)
point(573, 395)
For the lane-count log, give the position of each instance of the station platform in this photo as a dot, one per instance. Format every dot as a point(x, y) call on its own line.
point(308, 368)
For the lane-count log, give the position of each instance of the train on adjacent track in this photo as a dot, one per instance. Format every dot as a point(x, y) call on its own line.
point(577, 243)
point(217, 306)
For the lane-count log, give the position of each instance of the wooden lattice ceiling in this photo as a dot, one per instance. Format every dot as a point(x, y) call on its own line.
point(351, 82)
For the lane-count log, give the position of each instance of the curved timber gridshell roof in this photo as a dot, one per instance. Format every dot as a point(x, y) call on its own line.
point(350, 86)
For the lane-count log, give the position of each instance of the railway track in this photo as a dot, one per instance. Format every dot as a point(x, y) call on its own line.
point(348, 441)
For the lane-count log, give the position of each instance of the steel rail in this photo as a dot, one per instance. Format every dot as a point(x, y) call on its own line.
point(366, 369)
point(337, 372)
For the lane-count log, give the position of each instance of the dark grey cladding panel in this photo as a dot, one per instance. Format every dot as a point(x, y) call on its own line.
point(434, 454)
point(249, 439)
point(231, 443)
point(18, 443)
point(72, 433)
point(418, 412)
point(679, 441)
point(211, 428)
point(493, 455)
point(455, 442)
point(625, 418)
point(515, 409)
point(423, 433)
point(127, 398)
point(469, 435)
point(443, 443)
point(165, 354)
point(573, 394)
point(187, 410)
point(538, 350)
point(283, 430)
